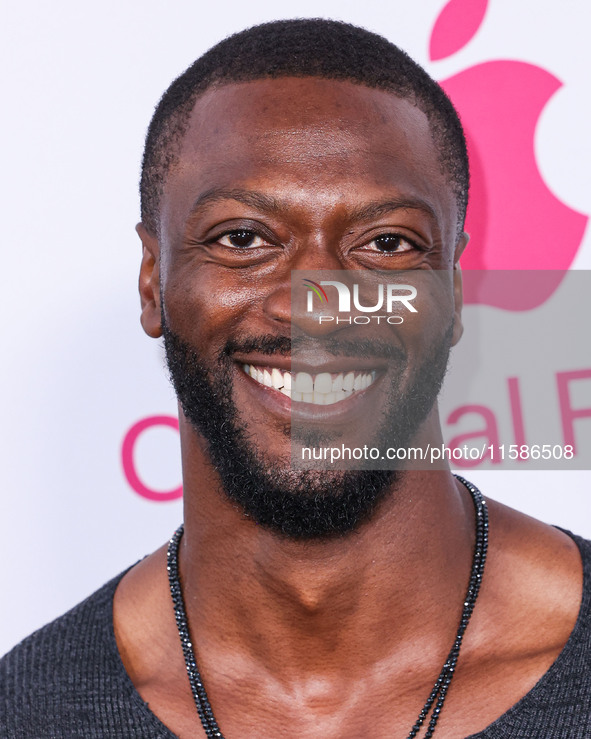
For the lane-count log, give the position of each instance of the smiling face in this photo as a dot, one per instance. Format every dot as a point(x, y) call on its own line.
point(297, 174)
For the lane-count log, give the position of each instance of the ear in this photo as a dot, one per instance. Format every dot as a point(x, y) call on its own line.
point(458, 329)
point(149, 282)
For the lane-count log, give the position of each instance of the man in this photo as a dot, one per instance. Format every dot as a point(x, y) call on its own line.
point(339, 603)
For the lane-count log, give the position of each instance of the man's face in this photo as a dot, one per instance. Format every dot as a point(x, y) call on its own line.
point(306, 174)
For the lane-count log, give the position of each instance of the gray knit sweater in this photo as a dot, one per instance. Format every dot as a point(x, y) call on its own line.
point(67, 680)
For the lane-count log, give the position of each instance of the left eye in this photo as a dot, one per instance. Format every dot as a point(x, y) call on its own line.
point(241, 239)
point(390, 243)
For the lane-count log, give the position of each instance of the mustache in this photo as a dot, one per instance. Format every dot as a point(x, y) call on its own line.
point(270, 345)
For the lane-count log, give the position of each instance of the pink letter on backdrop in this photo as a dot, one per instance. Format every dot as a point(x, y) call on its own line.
point(127, 450)
point(568, 413)
point(516, 411)
point(490, 433)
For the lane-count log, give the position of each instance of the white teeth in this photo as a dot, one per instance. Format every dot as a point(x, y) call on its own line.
point(277, 378)
point(318, 398)
point(323, 383)
point(303, 383)
point(337, 383)
point(321, 389)
point(348, 381)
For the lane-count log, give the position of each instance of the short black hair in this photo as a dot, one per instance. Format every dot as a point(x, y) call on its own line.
point(312, 47)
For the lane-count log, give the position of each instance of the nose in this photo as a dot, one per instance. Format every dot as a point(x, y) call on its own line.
point(299, 299)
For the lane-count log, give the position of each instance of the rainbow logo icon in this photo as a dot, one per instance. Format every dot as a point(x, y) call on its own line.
point(316, 289)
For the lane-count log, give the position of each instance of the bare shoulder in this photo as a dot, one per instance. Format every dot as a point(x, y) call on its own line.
point(532, 589)
point(528, 607)
point(143, 619)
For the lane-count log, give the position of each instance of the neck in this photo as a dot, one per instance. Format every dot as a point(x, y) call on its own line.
point(301, 606)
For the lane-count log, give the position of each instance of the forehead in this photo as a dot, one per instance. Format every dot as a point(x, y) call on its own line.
point(311, 140)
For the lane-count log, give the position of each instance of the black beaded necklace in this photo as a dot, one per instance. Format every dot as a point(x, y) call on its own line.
point(436, 698)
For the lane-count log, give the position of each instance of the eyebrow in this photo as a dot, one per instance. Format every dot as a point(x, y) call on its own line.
point(380, 207)
point(269, 204)
point(247, 197)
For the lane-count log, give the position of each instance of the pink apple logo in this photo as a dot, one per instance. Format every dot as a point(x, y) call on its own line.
point(515, 221)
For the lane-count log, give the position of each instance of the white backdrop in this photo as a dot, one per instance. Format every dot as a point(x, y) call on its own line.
point(80, 81)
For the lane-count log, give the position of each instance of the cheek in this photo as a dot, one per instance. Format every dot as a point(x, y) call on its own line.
point(423, 330)
point(208, 306)
point(436, 296)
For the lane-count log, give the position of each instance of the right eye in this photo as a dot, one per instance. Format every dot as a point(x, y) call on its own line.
point(241, 239)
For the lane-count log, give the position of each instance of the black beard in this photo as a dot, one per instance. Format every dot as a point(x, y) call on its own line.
point(299, 504)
